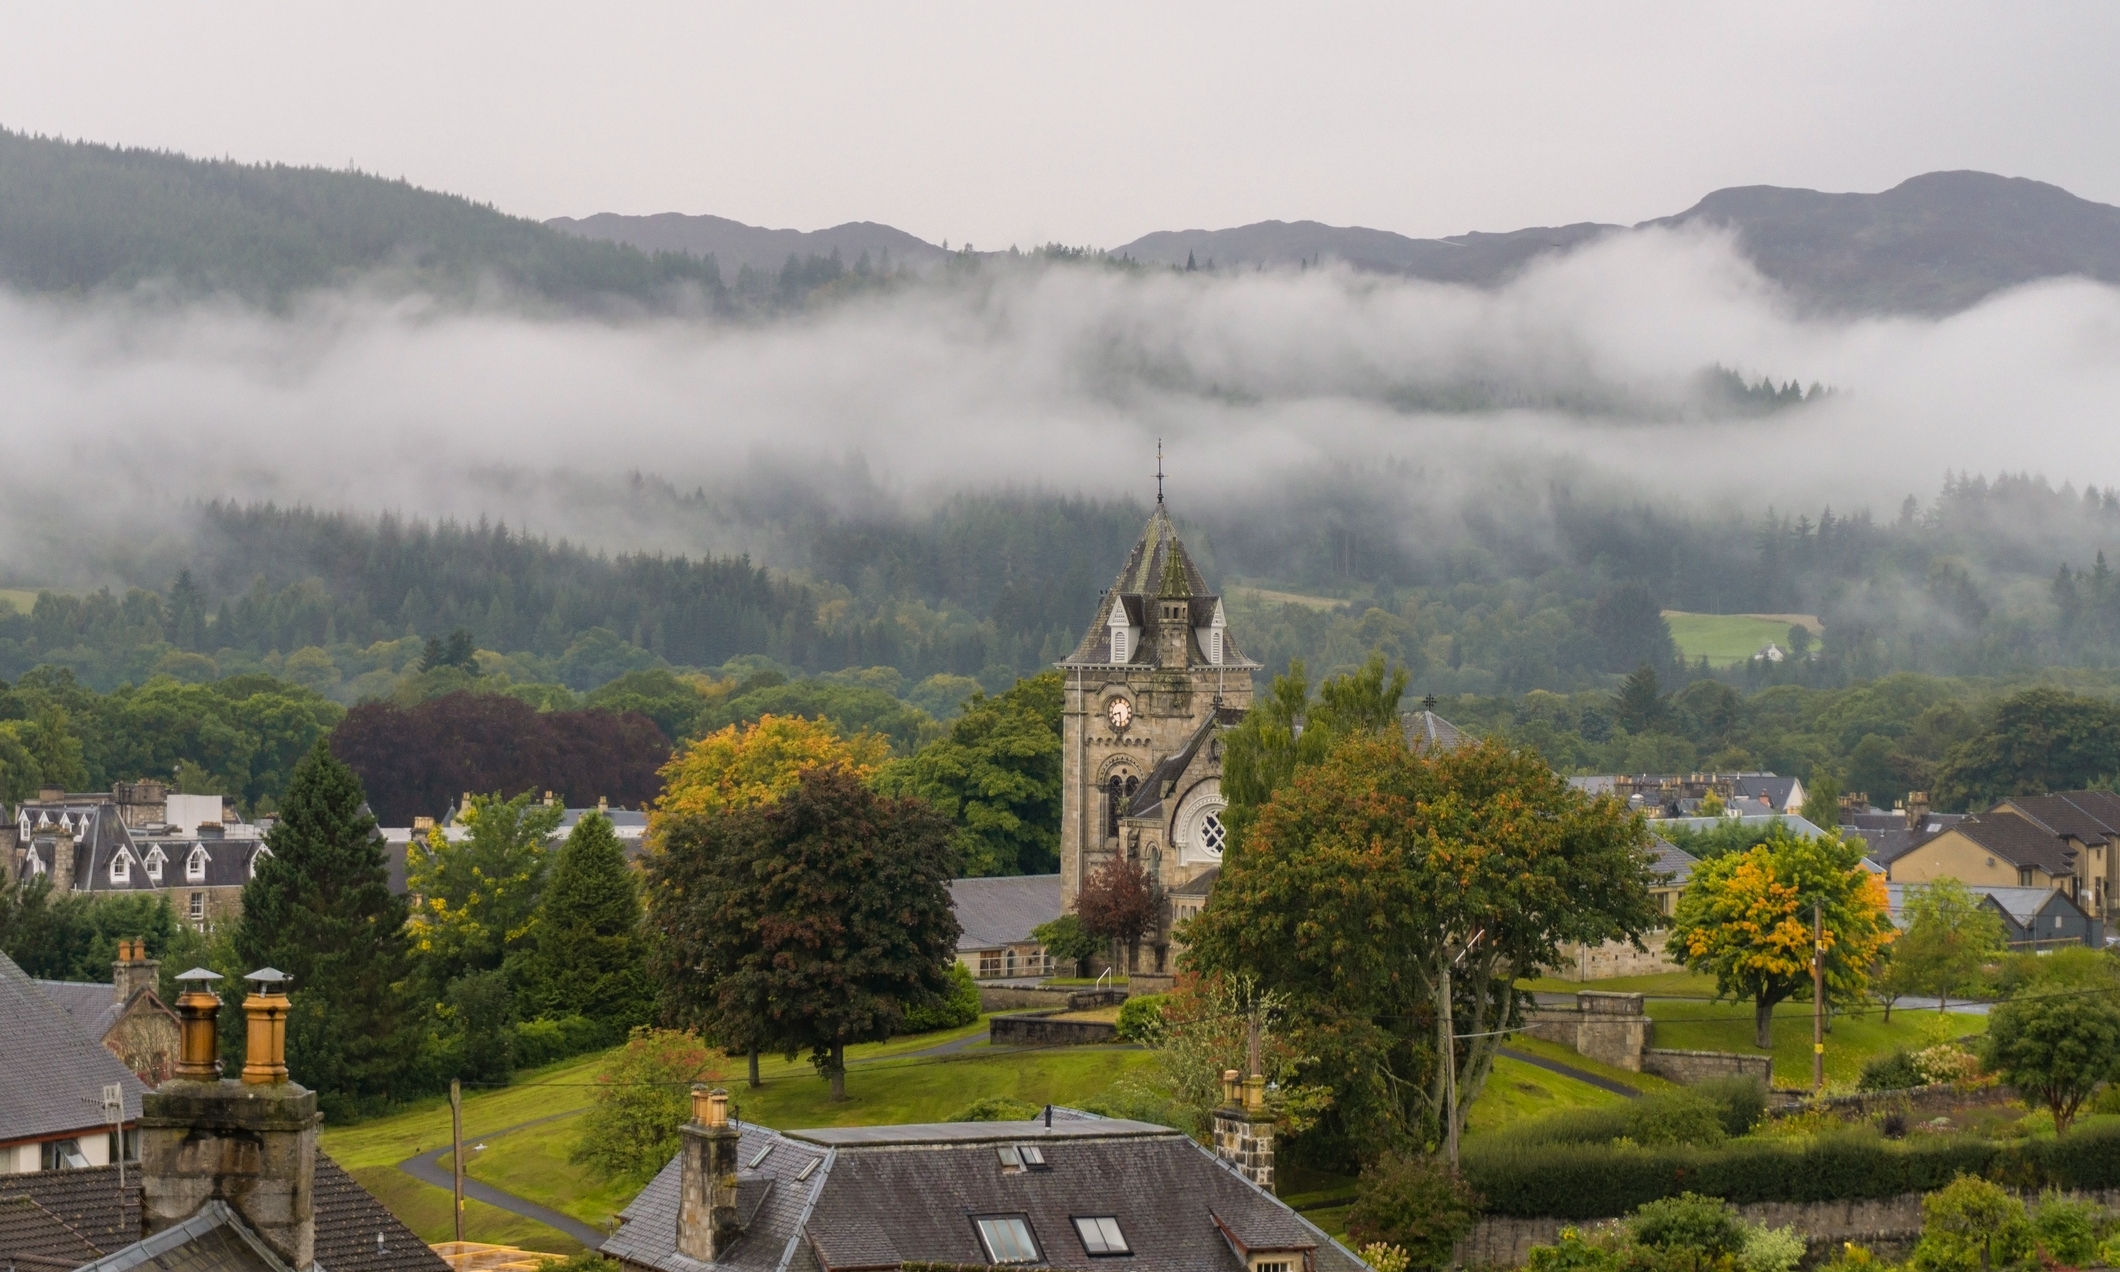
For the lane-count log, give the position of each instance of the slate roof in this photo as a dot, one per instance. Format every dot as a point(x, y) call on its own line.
point(2019, 841)
point(90, 1204)
point(89, 1004)
point(1148, 567)
point(2022, 906)
point(1427, 731)
point(1800, 827)
point(1002, 911)
point(213, 1240)
point(884, 1195)
point(1672, 863)
point(1776, 789)
point(1148, 801)
point(55, 1072)
point(1200, 885)
point(32, 1235)
point(2092, 817)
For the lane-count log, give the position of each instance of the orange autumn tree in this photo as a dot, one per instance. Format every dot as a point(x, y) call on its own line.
point(747, 765)
point(1747, 916)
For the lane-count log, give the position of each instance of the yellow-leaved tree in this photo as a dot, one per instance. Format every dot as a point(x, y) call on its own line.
point(746, 765)
point(1747, 917)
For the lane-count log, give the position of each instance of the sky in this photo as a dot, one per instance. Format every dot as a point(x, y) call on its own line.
point(1091, 123)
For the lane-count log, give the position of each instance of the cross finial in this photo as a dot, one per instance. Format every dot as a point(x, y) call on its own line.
point(1159, 472)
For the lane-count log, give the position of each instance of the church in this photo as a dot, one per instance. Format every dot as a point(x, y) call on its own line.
point(1149, 691)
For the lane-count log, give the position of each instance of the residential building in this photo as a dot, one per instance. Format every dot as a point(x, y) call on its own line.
point(997, 916)
point(629, 824)
point(1683, 794)
point(2033, 919)
point(1890, 834)
point(53, 1110)
point(1067, 1190)
point(126, 1016)
point(229, 1178)
point(2089, 823)
point(1992, 851)
point(140, 838)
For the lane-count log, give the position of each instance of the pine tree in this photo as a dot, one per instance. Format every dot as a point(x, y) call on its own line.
point(320, 909)
point(589, 957)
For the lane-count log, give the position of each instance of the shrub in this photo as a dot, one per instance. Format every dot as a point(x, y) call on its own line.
point(1575, 1253)
point(2067, 1229)
point(641, 1100)
point(1385, 1258)
point(956, 1008)
point(1675, 1117)
point(997, 1108)
point(1703, 1226)
point(1971, 1225)
point(1771, 1249)
point(543, 1042)
point(1416, 1203)
point(1853, 1258)
point(1945, 1062)
point(1743, 1102)
point(1895, 1072)
point(1140, 1017)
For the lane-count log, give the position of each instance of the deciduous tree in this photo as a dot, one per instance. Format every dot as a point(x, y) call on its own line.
point(1747, 918)
point(1949, 936)
point(477, 894)
point(808, 923)
point(997, 775)
point(2056, 1046)
point(642, 1098)
point(1118, 902)
point(744, 766)
point(1371, 873)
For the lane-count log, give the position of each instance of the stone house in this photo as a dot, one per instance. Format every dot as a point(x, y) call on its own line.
point(1066, 1190)
point(1999, 849)
point(139, 838)
point(127, 1016)
point(997, 915)
point(2033, 919)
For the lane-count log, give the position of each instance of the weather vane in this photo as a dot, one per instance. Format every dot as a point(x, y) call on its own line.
point(1159, 472)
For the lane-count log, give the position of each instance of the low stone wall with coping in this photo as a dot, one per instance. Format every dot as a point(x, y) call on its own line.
point(1039, 1029)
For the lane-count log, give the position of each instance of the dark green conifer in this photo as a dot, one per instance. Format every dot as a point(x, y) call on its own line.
point(320, 909)
point(590, 957)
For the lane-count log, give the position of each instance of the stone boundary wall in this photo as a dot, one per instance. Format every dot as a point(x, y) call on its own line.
point(1614, 958)
point(1919, 1103)
point(1887, 1226)
point(1039, 1029)
point(1019, 997)
point(1691, 1067)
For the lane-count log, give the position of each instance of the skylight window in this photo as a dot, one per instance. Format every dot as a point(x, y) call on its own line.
point(1100, 1235)
point(1007, 1238)
point(1011, 1157)
point(809, 1168)
point(758, 1158)
point(1032, 1155)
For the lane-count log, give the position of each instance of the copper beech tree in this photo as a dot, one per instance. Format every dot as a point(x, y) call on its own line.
point(1118, 902)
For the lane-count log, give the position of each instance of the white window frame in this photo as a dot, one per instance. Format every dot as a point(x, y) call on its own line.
point(1119, 650)
point(198, 907)
point(195, 864)
point(121, 867)
point(155, 860)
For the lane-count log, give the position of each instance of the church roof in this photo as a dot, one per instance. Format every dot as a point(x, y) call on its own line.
point(1159, 566)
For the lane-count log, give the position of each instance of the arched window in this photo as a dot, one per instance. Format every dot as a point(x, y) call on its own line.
point(195, 865)
point(1118, 644)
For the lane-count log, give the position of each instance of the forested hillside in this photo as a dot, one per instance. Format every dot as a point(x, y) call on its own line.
point(77, 217)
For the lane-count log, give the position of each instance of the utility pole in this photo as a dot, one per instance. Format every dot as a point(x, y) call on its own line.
point(1818, 995)
point(456, 1136)
point(1448, 1042)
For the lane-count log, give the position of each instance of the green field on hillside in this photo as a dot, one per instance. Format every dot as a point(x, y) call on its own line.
point(1727, 638)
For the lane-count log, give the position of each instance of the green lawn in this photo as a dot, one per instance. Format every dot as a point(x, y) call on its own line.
point(1852, 1041)
point(1644, 1082)
point(1516, 1091)
point(1725, 638)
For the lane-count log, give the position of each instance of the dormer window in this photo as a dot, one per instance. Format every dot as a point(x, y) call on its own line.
point(255, 857)
point(195, 865)
point(155, 859)
point(121, 868)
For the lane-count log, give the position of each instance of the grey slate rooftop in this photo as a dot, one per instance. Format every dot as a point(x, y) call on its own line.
point(56, 1071)
point(1002, 910)
point(877, 1197)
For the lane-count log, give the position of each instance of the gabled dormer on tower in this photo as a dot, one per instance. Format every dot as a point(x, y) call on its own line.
point(1159, 611)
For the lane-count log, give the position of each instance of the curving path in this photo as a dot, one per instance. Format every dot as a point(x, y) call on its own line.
point(1598, 1080)
point(428, 1169)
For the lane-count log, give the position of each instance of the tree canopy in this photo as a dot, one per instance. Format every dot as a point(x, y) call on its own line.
point(1369, 872)
point(743, 766)
point(587, 952)
point(996, 773)
point(2056, 1046)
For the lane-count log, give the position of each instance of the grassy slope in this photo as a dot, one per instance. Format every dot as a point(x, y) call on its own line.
point(1852, 1041)
point(1725, 638)
point(1677, 984)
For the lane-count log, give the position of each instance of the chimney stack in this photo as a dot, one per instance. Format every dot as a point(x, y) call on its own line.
point(250, 1144)
point(63, 859)
point(1917, 809)
point(134, 970)
point(1244, 1128)
point(707, 1222)
point(603, 804)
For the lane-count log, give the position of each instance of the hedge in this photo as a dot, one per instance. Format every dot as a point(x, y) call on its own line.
point(1580, 1181)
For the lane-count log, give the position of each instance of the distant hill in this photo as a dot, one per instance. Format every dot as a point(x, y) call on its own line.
point(79, 217)
point(1933, 244)
point(736, 245)
point(1461, 258)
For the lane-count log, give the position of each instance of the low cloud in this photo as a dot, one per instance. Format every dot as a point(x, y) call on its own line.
point(1585, 369)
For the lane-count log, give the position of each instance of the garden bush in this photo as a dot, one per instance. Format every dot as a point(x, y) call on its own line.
point(543, 1042)
point(1415, 1203)
point(1703, 1226)
point(2067, 1229)
point(1971, 1225)
point(1138, 1017)
point(1894, 1072)
point(1676, 1117)
point(957, 1007)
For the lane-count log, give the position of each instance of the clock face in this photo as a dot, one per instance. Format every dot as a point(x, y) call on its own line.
point(1121, 712)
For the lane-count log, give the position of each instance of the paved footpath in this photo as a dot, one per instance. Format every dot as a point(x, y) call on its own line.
point(428, 1169)
point(1597, 1080)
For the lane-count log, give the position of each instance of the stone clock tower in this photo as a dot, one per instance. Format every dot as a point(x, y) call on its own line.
point(1148, 692)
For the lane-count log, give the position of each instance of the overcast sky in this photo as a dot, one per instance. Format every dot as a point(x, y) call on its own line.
point(1091, 123)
